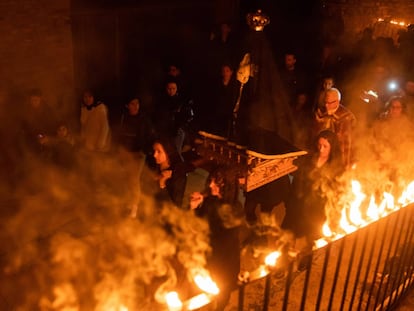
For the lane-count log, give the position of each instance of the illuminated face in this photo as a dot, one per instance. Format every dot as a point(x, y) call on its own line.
point(88, 99)
point(301, 100)
point(62, 131)
point(395, 110)
point(35, 101)
point(324, 148)
point(214, 188)
point(290, 61)
point(327, 83)
point(409, 87)
point(160, 155)
point(133, 107)
point(172, 89)
point(173, 71)
point(331, 102)
point(226, 72)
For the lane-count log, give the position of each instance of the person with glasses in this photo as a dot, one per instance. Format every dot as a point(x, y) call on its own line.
point(337, 118)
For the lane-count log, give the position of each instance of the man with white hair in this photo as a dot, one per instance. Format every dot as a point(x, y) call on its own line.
point(337, 118)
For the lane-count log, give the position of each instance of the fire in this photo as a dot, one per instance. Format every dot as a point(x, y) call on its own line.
point(113, 306)
point(272, 258)
point(201, 277)
point(326, 230)
point(407, 195)
point(262, 272)
point(344, 223)
point(394, 22)
point(198, 301)
point(321, 243)
point(173, 301)
point(355, 215)
point(204, 282)
point(359, 213)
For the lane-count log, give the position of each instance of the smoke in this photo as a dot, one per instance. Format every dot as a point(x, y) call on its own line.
point(383, 154)
point(71, 244)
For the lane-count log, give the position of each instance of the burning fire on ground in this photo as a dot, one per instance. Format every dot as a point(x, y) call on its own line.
point(70, 249)
point(362, 209)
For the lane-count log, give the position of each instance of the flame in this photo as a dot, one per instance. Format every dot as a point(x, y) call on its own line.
point(115, 308)
point(345, 224)
point(321, 243)
point(272, 258)
point(173, 301)
point(354, 216)
point(263, 271)
point(326, 230)
point(204, 282)
point(407, 195)
point(198, 301)
point(394, 22)
point(373, 210)
point(354, 213)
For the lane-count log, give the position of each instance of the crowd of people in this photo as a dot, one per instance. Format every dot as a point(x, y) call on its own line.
point(329, 111)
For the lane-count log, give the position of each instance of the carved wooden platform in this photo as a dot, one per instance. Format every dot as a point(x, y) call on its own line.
point(255, 167)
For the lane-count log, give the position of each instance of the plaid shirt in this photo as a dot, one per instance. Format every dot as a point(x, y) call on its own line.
point(341, 122)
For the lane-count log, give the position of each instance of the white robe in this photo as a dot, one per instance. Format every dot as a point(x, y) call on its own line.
point(95, 130)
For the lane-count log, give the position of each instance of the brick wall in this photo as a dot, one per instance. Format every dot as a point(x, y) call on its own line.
point(36, 49)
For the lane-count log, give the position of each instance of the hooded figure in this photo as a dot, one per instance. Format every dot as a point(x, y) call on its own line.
point(263, 104)
point(263, 120)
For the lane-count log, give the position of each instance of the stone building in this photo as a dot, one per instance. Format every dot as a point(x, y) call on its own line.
point(66, 45)
point(36, 50)
point(385, 17)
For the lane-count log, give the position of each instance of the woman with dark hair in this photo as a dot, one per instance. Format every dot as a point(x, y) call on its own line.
point(171, 171)
point(221, 207)
point(315, 185)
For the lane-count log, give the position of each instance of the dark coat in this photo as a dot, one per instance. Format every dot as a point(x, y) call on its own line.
point(313, 188)
point(224, 262)
point(135, 133)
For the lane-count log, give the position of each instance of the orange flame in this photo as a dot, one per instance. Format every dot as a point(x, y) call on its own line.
point(173, 301)
point(326, 230)
point(204, 282)
point(112, 307)
point(321, 243)
point(198, 301)
point(263, 271)
point(353, 216)
point(272, 258)
point(407, 195)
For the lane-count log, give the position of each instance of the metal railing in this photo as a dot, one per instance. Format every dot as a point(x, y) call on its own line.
point(370, 269)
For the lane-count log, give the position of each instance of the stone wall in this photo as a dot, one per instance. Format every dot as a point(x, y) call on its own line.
point(359, 14)
point(36, 49)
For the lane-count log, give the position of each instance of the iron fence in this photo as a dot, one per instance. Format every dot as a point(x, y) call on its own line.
point(370, 269)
